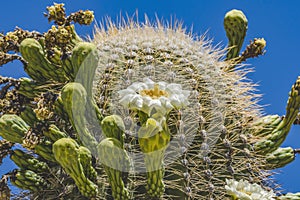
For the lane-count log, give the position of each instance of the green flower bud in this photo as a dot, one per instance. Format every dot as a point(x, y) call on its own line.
point(236, 25)
point(113, 127)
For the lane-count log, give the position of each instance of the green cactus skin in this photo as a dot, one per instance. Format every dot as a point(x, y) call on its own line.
point(60, 110)
point(13, 128)
point(115, 166)
point(73, 94)
point(153, 143)
point(26, 161)
point(280, 157)
point(39, 67)
point(29, 180)
point(273, 140)
point(83, 58)
point(54, 133)
point(236, 25)
point(84, 61)
point(66, 154)
point(266, 125)
point(54, 56)
point(85, 158)
point(29, 116)
point(44, 149)
point(28, 88)
point(74, 99)
point(113, 127)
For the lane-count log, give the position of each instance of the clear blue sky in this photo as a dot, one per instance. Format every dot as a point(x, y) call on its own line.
point(277, 21)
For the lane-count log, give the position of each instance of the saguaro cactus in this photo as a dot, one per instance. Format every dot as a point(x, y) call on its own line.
point(138, 112)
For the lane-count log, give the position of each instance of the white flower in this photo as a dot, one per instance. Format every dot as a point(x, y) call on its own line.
point(243, 190)
point(154, 98)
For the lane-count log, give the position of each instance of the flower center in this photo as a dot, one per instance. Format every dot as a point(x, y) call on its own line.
point(154, 93)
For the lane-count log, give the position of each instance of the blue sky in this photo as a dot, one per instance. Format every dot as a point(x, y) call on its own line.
point(277, 21)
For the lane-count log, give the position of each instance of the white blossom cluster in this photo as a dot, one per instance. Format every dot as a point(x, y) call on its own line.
point(243, 190)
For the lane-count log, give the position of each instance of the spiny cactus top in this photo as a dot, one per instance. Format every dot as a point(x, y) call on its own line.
point(142, 111)
point(210, 136)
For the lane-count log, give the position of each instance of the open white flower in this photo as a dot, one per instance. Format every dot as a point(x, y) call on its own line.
point(243, 190)
point(154, 98)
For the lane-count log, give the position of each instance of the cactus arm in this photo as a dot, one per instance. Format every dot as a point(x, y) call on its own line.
point(74, 99)
point(44, 149)
point(29, 180)
point(280, 157)
point(113, 127)
point(80, 55)
point(6, 58)
point(153, 143)
point(272, 141)
point(75, 39)
point(29, 116)
point(114, 166)
point(67, 155)
point(84, 61)
point(26, 161)
point(235, 24)
point(265, 125)
point(54, 56)
point(54, 133)
point(293, 105)
point(13, 128)
point(85, 158)
point(31, 88)
point(11, 41)
point(39, 67)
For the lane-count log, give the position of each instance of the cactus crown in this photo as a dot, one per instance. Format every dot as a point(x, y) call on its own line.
point(211, 137)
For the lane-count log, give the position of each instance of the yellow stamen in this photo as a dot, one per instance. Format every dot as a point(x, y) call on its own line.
point(154, 93)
